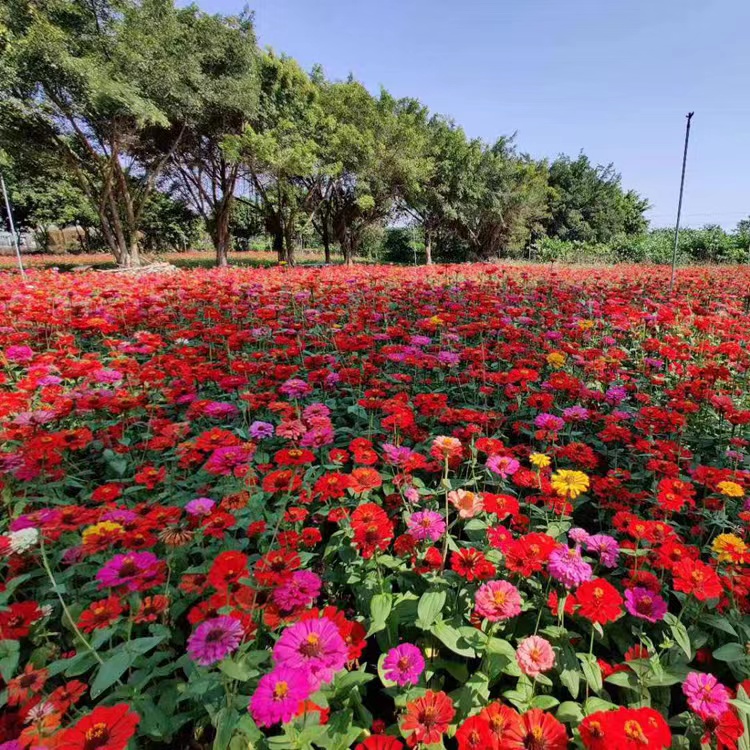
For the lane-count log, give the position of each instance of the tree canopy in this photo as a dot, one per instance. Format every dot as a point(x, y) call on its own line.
point(110, 106)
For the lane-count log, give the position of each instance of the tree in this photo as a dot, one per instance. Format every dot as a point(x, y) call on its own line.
point(588, 203)
point(503, 199)
point(434, 200)
point(279, 149)
point(375, 153)
point(84, 81)
point(227, 98)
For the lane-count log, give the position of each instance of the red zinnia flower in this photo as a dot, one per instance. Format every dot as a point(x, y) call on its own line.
point(380, 742)
point(598, 601)
point(639, 728)
point(427, 718)
point(227, 569)
point(100, 614)
point(697, 578)
point(105, 728)
point(28, 683)
point(472, 564)
point(501, 719)
point(537, 730)
point(474, 734)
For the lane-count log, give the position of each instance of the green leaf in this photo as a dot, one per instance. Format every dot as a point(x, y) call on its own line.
point(452, 638)
point(10, 652)
point(430, 606)
point(718, 623)
point(569, 712)
point(730, 652)
point(111, 671)
point(680, 634)
point(593, 704)
point(544, 702)
point(591, 671)
point(380, 608)
point(236, 670)
point(143, 645)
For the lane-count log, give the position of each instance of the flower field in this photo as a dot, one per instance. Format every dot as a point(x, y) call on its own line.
point(461, 506)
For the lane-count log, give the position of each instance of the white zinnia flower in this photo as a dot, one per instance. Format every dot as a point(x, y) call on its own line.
point(23, 540)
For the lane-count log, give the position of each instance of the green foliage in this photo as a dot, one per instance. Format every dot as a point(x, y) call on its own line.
point(711, 244)
point(588, 204)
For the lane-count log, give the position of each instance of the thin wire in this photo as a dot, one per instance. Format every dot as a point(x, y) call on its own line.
point(12, 229)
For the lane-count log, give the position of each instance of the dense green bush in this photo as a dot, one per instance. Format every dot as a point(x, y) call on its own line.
point(710, 244)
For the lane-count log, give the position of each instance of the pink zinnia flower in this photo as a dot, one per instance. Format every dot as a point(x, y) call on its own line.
point(706, 695)
point(201, 506)
point(497, 600)
point(567, 566)
point(301, 590)
point(549, 422)
point(645, 604)
point(503, 466)
point(214, 639)
point(134, 571)
point(404, 664)
point(467, 503)
point(535, 655)
point(225, 461)
point(220, 410)
point(606, 547)
point(278, 695)
point(19, 353)
point(426, 524)
point(295, 388)
point(315, 646)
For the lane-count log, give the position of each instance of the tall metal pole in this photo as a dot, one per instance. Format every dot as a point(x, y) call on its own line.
point(679, 204)
point(12, 228)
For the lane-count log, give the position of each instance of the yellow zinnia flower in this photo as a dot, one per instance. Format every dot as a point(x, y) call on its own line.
point(101, 529)
point(569, 483)
point(540, 460)
point(556, 359)
point(730, 489)
point(729, 547)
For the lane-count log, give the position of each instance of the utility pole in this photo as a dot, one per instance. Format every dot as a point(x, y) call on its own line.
point(12, 227)
point(679, 204)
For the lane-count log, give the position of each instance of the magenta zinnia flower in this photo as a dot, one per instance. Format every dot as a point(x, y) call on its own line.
point(426, 524)
point(214, 639)
point(314, 646)
point(497, 600)
point(567, 566)
point(278, 695)
point(606, 547)
point(706, 695)
point(645, 604)
point(134, 571)
point(225, 461)
point(404, 664)
point(503, 466)
point(300, 590)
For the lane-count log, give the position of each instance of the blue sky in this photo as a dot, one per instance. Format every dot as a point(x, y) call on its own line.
point(610, 77)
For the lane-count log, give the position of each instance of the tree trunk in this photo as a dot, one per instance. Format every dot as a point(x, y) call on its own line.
point(326, 242)
point(289, 243)
point(278, 244)
point(347, 246)
point(221, 235)
point(428, 247)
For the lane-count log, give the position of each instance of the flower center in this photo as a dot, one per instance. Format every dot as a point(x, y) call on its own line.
point(280, 690)
point(635, 732)
point(96, 736)
point(311, 645)
point(499, 598)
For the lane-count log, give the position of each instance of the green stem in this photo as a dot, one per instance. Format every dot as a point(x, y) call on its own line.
point(50, 575)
